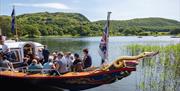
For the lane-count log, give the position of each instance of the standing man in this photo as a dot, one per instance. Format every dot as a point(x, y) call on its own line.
point(45, 54)
point(86, 59)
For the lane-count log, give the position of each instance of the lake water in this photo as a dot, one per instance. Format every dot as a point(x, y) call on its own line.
point(117, 47)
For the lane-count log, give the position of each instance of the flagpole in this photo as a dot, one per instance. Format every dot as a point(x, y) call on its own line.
point(15, 28)
point(108, 22)
point(103, 47)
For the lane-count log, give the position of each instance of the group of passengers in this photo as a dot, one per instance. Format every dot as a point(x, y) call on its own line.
point(62, 62)
point(55, 63)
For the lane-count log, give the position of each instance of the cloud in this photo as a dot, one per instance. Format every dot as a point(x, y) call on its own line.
point(75, 1)
point(44, 5)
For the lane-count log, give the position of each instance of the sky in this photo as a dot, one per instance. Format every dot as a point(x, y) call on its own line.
point(97, 9)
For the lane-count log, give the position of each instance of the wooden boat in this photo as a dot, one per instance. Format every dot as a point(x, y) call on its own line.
point(71, 80)
point(120, 68)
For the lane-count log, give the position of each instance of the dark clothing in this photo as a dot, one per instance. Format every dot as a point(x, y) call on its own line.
point(10, 56)
point(45, 53)
point(76, 61)
point(24, 64)
point(54, 73)
point(13, 57)
point(29, 61)
point(102, 61)
point(77, 65)
point(87, 61)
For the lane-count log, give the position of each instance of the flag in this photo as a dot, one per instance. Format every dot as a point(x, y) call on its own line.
point(13, 21)
point(103, 46)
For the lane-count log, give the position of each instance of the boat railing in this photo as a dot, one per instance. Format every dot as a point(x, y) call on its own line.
point(4, 68)
point(25, 69)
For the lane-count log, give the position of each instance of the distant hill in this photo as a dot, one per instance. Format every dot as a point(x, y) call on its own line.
point(45, 17)
point(76, 24)
point(146, 24)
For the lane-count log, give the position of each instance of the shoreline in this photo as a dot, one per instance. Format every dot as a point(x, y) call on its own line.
point(95, 36)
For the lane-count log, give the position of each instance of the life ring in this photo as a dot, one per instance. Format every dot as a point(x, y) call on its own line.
point(118, 64)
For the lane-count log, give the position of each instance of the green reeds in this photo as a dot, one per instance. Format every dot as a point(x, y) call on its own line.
point(161, 72)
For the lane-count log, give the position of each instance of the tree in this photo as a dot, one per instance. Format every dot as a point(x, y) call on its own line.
point(128, 31)
point(32, 31)
point(43, 30)
point(5, 26)
point(84, 31)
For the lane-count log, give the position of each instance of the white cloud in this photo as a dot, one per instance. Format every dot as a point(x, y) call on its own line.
point(44, 5)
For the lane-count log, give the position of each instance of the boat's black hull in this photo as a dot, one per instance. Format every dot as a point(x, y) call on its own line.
point(71, 83)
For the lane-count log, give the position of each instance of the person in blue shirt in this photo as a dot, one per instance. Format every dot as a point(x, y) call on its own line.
point(35, 67)
point(49, 65)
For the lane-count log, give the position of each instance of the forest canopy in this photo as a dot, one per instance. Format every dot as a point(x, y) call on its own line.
point(76, 24)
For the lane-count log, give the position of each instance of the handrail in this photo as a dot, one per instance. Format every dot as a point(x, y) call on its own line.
point(42, 71)
point(5, 68)
point(28, 69)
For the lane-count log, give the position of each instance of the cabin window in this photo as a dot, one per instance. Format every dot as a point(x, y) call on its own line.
point(17, 55)
point(13, 56)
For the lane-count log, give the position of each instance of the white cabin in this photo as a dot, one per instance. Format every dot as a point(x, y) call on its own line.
point(21, 48)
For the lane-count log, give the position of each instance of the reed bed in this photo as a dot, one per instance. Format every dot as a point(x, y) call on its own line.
point(159, 73)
